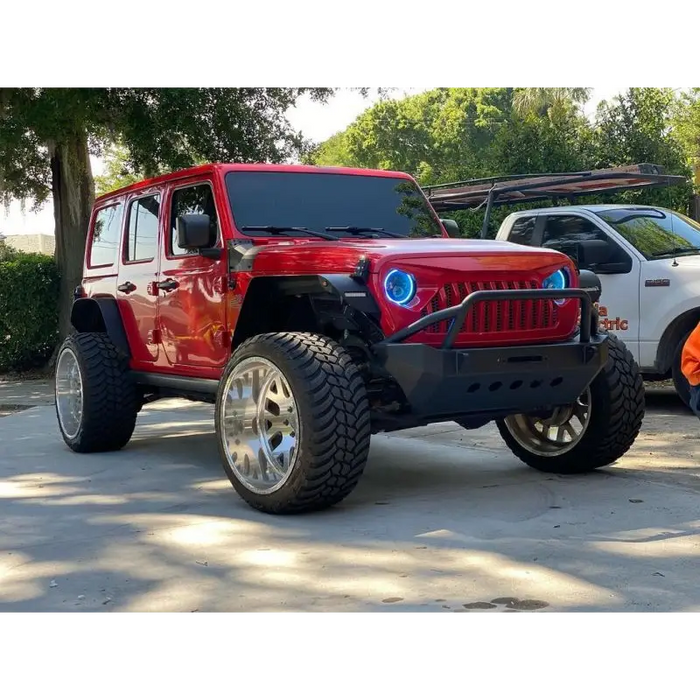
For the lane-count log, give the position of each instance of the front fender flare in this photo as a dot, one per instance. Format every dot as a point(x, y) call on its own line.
point(355, 294)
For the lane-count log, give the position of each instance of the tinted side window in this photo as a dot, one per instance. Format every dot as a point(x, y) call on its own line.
point(570, 229)
point(142, 242)
point(105, 235)
point(198, 199)
point(522, 230)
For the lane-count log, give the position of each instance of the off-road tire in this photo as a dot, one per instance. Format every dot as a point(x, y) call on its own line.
point(334, 421)
point(680, 383)
point(110, 398)
point(617, 411)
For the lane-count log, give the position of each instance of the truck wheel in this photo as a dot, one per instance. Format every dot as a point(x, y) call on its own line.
point(96, 400)
point(292, 422)
point(680, 383)
point(594, 432)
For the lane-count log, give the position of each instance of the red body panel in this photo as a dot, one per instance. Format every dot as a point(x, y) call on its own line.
point(188, 330)
point(193, 317)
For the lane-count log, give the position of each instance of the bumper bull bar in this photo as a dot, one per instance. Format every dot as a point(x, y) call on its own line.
point(493, 381)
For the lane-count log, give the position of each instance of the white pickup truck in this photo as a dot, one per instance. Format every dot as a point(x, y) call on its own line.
point(647, 258)
point(648, 261)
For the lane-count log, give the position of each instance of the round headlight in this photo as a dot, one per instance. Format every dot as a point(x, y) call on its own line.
point(559, 279)
point(400, 287)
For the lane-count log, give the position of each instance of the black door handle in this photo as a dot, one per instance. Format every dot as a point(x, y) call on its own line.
point(127, 287)
point(168, 285)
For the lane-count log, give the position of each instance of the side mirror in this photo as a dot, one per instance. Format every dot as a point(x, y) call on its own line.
point(603, 258)
point(451, 226)
point(594, 252)
point(194, 231)
point(590, 282)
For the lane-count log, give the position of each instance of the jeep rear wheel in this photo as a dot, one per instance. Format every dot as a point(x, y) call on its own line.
point(96, 399)
point(594, 432)
point(292, 422)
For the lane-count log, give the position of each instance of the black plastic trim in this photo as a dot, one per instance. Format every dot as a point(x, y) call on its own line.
point(87, 313)
point(348, 290)
point(354, 293)
point(241, 254)
point(184, 385)
point(494, 381)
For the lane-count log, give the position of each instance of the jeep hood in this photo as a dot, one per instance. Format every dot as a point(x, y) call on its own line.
point(459, 255)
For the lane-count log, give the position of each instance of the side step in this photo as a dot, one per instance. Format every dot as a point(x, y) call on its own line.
point(179, 386)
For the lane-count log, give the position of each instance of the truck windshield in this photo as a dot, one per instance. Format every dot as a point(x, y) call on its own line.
point(655, 233)
point(346, 205)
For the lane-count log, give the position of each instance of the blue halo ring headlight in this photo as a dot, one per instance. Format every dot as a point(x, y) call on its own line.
point(399, 287)
point(559, 279)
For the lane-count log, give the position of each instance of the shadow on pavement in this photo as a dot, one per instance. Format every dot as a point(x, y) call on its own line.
point(430, 527)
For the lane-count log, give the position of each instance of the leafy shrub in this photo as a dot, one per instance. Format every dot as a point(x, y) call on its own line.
point(28, 309)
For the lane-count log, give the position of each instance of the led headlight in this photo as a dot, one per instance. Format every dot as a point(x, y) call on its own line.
point(400, 287)
point(559, 279)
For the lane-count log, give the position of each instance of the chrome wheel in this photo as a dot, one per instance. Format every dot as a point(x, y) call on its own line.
point(555, 435)
point(259, 428)
point(69, 393)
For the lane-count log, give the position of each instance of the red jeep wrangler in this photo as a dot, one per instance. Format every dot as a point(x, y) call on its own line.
point(316, 306)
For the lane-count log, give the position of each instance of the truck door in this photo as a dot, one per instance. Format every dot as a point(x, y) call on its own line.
point(192, 288)
point(619, 301)
point(138, 272)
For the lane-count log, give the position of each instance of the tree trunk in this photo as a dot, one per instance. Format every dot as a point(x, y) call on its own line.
point(73, 195)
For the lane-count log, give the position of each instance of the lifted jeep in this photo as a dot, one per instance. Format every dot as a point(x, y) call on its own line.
point(316, 306)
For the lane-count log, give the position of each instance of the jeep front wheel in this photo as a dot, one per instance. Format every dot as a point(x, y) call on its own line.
point(598, 429)
point(292, 422)
point(96, 399)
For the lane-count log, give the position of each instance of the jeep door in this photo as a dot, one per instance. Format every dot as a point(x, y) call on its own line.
point(138, 274)
point(191, 303)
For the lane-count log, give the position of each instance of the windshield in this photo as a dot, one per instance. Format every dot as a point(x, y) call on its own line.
point(345, 206)
point(655, 233)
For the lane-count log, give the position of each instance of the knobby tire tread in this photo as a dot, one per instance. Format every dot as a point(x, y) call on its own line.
point(617, 412)
point(110, 399)
point(334, 415)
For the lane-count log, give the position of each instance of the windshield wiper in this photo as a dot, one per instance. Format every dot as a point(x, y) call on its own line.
point(357, 230)
point(291, 230)
point(683, 250)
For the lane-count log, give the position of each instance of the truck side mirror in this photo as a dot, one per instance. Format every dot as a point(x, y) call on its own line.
point(593, 253)
point(451, 226)
point(603, 258)
point(194, 231)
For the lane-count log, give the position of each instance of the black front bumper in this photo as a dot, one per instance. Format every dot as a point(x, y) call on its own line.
point(494, 381)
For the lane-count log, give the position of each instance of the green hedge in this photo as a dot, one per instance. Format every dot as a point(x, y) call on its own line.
point(28, 309)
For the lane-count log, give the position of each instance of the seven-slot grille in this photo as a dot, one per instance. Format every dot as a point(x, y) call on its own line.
point(493, 316)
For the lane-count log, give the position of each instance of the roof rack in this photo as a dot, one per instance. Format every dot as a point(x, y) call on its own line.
point(519, 189)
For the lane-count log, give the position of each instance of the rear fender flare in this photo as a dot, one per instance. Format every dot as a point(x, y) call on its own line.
point(100, 315)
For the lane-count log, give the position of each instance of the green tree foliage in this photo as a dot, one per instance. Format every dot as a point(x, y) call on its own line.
point(47, 136)
point(28, 309)
point(548, 101)
point(686, 127)
point(118, 171)
point(333, 151)
point(636, 127)
point(452, 134)
point(438, 135)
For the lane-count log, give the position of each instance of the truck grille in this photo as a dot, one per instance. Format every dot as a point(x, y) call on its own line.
point(494, 316)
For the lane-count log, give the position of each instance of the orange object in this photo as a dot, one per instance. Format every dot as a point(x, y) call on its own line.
point(690, 358)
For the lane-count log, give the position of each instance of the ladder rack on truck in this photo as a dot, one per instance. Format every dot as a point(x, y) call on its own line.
point(519, 189)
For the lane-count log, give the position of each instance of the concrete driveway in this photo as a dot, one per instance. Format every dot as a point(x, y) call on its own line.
point(443, 520)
